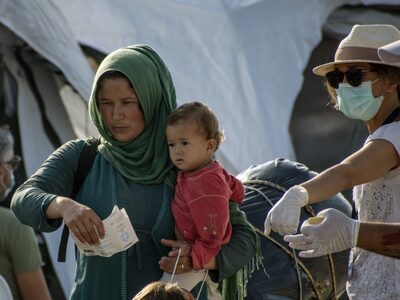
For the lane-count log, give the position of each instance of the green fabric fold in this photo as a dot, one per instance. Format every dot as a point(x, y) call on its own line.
point(234, 287)
point(144, 160)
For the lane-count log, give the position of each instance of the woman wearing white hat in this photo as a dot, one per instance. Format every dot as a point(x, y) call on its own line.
point(362, 86)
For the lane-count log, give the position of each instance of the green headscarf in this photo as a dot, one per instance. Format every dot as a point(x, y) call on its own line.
point(145, 159)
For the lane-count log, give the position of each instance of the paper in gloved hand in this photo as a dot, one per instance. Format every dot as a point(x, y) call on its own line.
point(119, 236)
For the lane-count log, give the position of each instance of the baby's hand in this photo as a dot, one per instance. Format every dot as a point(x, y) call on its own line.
point(186, 249)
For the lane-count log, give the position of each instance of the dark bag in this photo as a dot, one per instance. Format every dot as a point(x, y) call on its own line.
point(286, 275)
point(85, 162)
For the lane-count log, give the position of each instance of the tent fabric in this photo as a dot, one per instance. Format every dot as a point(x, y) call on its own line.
point(36, 147)
point(245, 58)
point(244, 61)
point(40, 24)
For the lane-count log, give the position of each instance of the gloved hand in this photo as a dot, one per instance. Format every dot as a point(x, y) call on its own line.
point(284, 216)
point(337, 232)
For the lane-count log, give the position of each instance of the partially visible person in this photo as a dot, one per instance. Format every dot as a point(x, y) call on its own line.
point(132, 96)
point(200, 206)
point(364, 87)
point(20, 259)
point(336, 231)
point(159, 290)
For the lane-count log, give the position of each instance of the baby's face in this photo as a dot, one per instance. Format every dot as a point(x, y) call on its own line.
point(188, 148)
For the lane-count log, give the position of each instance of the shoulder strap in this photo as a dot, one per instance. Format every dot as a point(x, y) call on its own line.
point(393, 115)
point(85, 162)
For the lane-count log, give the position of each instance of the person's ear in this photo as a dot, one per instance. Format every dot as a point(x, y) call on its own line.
point(212, 145)
point(391, 85)
point(2, 171)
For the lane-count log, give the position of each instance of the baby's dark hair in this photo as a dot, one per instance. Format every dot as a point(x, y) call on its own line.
point(159, 290)
point(202, 116)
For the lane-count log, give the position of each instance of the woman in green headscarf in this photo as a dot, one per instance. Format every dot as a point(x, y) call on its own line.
point(132, 95)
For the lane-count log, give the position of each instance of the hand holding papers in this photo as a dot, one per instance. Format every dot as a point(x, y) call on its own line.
point(119, 236)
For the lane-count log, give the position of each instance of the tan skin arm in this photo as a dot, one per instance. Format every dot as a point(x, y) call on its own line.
point(367, 164)
point(80, 219)
point(32, 285)
point(380, 238)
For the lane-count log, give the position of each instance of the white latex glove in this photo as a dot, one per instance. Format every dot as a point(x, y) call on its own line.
point(284, 216)
point(337, 232)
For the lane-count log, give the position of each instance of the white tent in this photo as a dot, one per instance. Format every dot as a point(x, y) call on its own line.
point(39, 52)
point(244, 58)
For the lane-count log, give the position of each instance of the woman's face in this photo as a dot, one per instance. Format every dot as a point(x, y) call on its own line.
point(120, 109)
point(371, 75)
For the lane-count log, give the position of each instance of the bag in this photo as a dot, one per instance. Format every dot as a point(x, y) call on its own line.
point(85, 162)
point(285, 274)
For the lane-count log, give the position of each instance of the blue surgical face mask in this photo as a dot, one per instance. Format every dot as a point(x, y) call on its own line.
point(358, 102)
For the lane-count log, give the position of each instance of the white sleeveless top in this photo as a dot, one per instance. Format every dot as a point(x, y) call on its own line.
point(376, 276)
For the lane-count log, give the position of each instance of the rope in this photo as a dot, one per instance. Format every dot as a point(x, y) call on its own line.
point(266, 182)
point(175, 265)
point(202, 284)
point(332, 269)
point(309, 209)
point(292, 256)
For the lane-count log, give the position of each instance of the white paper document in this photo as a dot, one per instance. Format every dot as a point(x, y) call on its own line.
point(119, 236)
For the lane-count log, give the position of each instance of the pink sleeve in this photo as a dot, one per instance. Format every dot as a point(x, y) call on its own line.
point(210, 214)
point(237, 189)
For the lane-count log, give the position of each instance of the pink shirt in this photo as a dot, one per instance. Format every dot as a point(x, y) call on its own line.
point(201, 210)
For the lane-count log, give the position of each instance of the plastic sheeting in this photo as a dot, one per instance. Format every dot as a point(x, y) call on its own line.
point(285, 276)
point(44, 28)
point(245, 59)
point(36, 39)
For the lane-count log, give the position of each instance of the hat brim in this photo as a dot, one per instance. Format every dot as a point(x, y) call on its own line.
point(321, 70)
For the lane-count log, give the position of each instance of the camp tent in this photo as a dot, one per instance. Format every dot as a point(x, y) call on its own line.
point(42, 69)
point(244, 58)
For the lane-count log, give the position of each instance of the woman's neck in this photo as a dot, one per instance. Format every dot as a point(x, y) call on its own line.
point(387, 107)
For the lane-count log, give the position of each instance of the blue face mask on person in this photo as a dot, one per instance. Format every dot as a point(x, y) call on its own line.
point(358, 102)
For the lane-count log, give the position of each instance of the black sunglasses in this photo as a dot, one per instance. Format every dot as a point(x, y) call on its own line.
point(353, 77)
point(13, 162)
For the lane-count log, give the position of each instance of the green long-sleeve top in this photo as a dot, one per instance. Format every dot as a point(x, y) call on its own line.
point(122, 275)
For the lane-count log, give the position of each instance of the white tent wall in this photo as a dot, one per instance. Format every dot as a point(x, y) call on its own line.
point(36, 147)
point(35, 34)
point(40, 24)
point(244, 59)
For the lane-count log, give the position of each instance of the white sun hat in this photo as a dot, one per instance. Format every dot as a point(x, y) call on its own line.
point(361, 46)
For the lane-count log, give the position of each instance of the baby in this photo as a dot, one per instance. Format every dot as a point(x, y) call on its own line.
point(201, 202)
